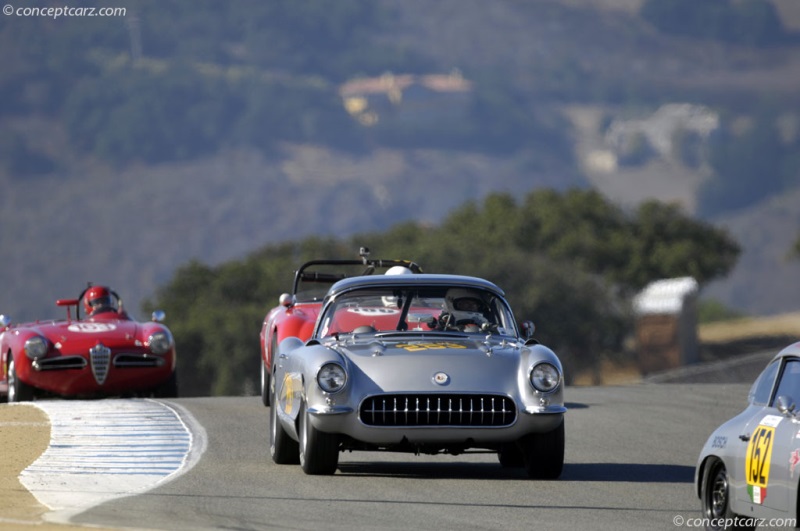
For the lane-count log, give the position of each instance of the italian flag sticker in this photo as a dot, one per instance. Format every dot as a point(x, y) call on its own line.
point(757, 494)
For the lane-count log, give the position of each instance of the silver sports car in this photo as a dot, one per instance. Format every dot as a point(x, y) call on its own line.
point(422, 364)
point(748, 469)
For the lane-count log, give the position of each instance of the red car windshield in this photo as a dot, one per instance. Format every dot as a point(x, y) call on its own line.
point(314, 278)
point(447, 309)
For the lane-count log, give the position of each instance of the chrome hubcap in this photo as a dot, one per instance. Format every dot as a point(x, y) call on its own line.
point(719, 494)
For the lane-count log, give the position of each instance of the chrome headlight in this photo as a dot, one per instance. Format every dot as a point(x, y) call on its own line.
point(160, 342)
point(545, 377)
point(331, 378)
point(36, 347)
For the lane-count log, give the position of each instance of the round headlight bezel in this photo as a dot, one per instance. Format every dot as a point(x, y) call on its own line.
point(160, 342)
point(36, 347)
point(545, 377)
point(329, 373)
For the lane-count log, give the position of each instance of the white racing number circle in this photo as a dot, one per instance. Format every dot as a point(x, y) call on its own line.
point(91, 328)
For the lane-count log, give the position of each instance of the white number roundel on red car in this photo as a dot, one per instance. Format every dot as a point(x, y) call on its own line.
point(91, 328)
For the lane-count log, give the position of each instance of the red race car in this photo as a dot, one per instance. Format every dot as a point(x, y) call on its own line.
point(103, 353)
point(297, 312)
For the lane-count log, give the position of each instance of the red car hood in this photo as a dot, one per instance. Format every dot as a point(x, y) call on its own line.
point(73, 336)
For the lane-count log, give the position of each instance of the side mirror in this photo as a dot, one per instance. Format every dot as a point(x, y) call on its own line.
point(4, 321)
point(286, 300)
point(785, 405)
point(159, 316)
point(528, 328)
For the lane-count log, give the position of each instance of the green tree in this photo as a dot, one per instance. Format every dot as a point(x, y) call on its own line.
point(569, 261)
point(666, 244)
point(577, 226)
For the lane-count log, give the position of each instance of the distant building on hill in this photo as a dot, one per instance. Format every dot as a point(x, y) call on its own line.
point(666, 324)
point(406, 97)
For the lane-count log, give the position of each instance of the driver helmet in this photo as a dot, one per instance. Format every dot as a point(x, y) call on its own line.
point(466, 305)
point(97, 299)
point(391, 301)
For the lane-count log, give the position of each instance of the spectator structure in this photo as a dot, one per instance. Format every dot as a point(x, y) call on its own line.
point(666, 324)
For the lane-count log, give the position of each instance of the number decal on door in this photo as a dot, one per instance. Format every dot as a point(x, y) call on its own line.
point(757, 463)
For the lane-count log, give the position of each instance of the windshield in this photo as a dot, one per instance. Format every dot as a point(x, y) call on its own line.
point(314, 285)
point(443, 309)
point(315, 278)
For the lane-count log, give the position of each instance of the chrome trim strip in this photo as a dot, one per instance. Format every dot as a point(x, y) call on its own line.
point(549, 410)
point(329, 410)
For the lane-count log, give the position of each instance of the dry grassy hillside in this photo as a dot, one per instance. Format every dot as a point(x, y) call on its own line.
point(776, 327)
point(736, 349)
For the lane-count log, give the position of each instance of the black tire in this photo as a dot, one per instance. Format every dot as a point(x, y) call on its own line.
point(543, 453)
point(265, 377)
point(18, 391)
point(715, 497)
point(319, 452)
point(283, 449)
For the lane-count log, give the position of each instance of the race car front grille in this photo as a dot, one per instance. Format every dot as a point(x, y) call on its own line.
point(100, 358)
point(137, 361)
point(438, 410)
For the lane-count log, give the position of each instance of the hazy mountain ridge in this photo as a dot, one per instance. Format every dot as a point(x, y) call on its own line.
point(132, 227)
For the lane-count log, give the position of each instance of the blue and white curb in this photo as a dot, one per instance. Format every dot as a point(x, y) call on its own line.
point(106, 449)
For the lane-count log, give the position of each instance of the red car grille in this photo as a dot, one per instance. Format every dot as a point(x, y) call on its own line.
point(100, 365)
point(137, 361)
point(60, 363)
point(100, 359)
point(438, 410)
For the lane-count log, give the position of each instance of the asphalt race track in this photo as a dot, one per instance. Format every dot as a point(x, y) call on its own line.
point(630, 460)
